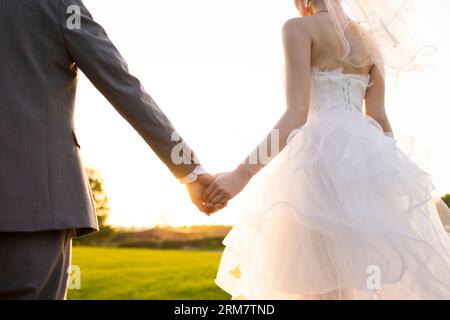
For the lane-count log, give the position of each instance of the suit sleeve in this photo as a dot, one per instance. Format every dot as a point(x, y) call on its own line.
point(94, 53)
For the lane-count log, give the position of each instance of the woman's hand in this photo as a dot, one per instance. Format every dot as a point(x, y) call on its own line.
point(226, 186)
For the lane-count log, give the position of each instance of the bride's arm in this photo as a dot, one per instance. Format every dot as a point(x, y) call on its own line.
point(297, 47)
point(375, 101)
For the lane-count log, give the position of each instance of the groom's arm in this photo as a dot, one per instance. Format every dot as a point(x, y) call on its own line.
point(94, 53)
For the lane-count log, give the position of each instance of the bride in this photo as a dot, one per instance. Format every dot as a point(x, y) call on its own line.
point(344, 214)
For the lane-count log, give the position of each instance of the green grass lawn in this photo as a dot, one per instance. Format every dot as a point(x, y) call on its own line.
point(115, 273)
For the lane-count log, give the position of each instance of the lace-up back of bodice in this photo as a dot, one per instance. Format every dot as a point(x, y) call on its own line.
point(337, 90)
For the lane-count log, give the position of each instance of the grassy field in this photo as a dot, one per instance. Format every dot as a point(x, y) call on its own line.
point(115, 273)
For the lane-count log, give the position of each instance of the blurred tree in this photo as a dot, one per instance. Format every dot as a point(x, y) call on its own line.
point(443, 208)
point(446, 199)
point(102, 207)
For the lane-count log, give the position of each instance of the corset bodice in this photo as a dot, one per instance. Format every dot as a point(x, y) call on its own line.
point(336, 90)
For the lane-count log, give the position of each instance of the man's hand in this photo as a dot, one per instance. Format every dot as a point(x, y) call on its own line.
point(197, 188)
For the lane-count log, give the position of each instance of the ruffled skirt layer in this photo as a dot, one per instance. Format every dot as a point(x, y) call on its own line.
point(345, 214)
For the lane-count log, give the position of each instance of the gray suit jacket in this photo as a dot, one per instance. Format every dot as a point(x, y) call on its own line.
point(43, 184)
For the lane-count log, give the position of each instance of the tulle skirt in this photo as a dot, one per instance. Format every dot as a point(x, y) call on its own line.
point(344, 214)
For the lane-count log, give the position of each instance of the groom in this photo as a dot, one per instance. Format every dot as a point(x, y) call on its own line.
point(45, 198)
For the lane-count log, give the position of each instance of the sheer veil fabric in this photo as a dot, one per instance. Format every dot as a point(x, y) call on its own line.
point(377, 32)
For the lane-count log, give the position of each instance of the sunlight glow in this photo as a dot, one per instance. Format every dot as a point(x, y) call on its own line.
point(216, 69)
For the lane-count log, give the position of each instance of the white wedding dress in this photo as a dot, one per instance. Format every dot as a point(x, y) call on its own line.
point(345, 214)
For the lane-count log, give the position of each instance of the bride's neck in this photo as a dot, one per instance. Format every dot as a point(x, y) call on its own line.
point(318, 6)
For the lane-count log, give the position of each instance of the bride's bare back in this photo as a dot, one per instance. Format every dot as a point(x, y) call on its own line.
point(326, 48)
point(312, 42)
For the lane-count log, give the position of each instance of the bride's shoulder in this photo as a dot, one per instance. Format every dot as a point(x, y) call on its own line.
point(297, 27)
point(298, 24)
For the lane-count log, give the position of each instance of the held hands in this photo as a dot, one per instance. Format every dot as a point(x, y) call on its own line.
point(212, 193)
point(196, 190)
point(225, 187)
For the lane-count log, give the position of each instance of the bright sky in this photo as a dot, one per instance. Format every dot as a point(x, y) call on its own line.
point(216, 69)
